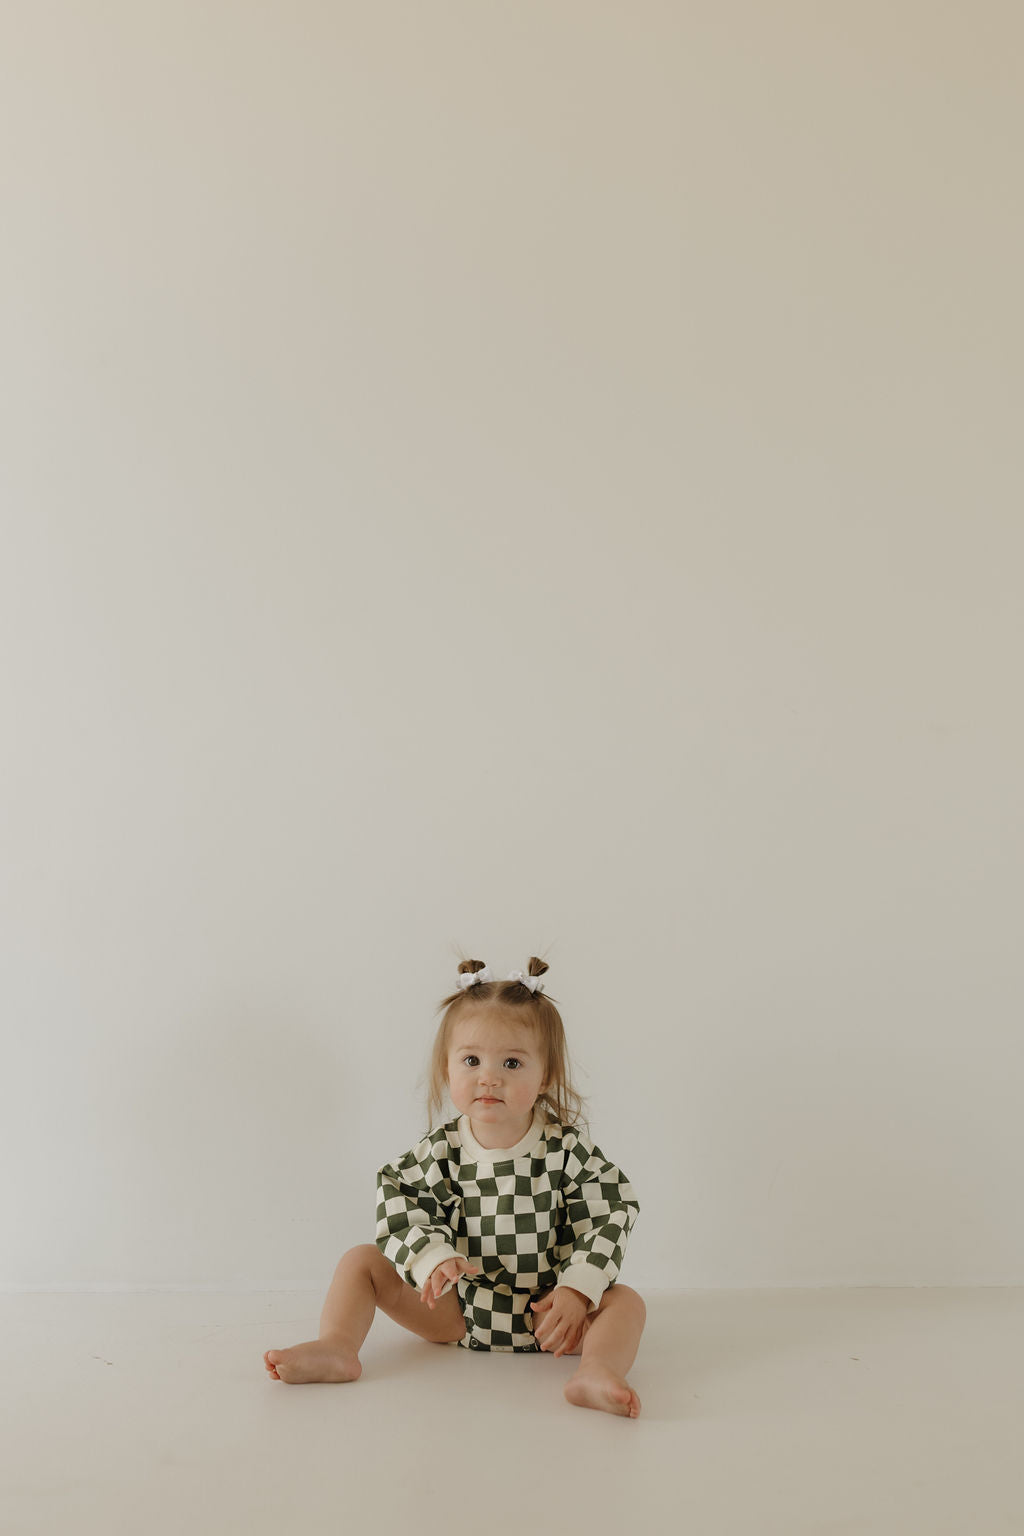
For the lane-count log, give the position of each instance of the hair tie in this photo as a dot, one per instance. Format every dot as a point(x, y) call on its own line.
point(532, 982)
point(469, 979)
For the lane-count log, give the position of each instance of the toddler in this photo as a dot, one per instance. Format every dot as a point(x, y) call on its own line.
point(502, 1229)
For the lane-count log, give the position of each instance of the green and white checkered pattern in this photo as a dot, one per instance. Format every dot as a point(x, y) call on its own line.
point(560, 1214)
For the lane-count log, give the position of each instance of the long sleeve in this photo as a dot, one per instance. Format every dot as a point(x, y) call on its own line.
point(412, 1230)
point(600, 1212)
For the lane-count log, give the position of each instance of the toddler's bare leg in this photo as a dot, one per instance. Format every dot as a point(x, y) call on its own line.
point(345, 1321)
point(363, 1281)
point(351, 1301)
point(608, 1351)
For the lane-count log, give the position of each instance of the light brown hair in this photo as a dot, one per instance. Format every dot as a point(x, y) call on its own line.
point(536, 1010)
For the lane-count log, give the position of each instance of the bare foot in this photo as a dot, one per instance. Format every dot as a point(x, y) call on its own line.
point(318, 1360)
point(595, 1386)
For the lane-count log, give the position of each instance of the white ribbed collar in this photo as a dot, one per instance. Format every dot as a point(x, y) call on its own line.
point(481, 1154)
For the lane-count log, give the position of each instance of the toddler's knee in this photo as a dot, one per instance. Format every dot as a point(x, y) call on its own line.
point(364, 1256)
point(636, 1300)
point(384, 1277)
point(369, 1251)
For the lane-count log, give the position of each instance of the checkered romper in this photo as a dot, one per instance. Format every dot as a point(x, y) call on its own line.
point(552, 1210)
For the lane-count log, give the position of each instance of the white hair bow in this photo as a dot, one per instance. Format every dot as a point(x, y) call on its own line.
point(469, 979)
point(533, 982)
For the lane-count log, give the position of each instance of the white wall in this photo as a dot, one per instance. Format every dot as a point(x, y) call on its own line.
point(535, 477)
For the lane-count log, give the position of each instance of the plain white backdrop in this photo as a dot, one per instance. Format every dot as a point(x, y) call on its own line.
point(537, 479)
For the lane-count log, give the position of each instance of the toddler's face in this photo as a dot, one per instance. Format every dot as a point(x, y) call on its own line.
point(493, 1056)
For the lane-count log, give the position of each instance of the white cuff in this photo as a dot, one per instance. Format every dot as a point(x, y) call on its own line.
point(427, 1261)
point(586, 1278)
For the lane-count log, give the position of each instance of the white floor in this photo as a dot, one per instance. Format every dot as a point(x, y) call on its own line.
point(772, 1413)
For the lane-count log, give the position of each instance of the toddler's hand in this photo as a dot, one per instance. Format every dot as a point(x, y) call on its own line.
point(561, 1328)
point(439, 1277)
